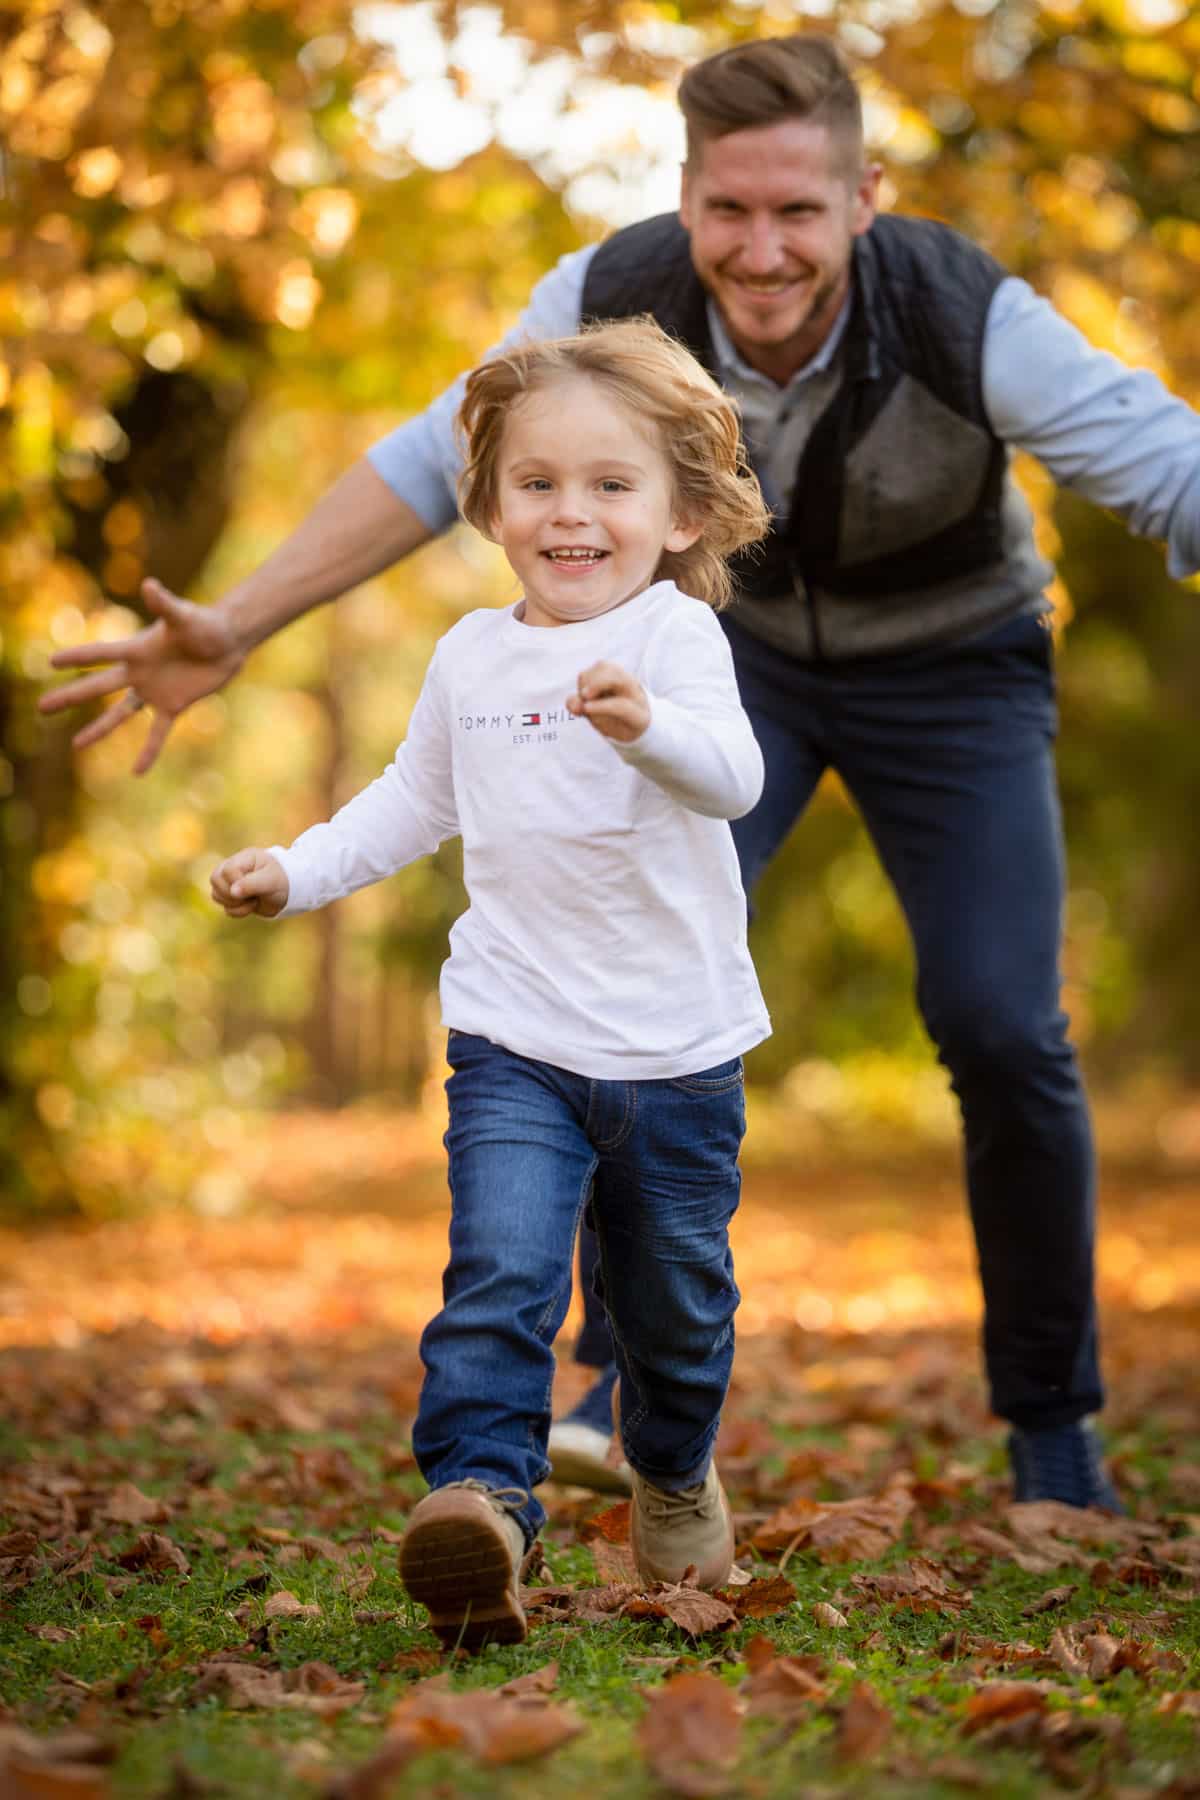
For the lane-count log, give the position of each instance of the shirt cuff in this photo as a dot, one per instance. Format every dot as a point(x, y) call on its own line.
point(296, 900)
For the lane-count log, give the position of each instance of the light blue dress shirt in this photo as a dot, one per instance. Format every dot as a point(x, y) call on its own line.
point(1109, 432)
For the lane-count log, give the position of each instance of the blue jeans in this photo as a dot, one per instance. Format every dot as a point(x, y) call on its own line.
point(948, 754)
point(528, 1144)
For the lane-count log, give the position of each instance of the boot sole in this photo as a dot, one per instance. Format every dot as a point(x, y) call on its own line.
point(573, 1468)
point(461, 1572)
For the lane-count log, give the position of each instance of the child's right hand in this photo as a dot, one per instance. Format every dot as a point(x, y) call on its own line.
point(250, 881)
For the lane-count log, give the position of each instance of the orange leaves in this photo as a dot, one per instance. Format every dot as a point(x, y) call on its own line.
point(154, 1554)
point(70, 1765)
point(313, 1687)
point(918, 1586)
point(1002, 1700)
point(759, 1599)
point(837, 1531)
point(494, 1727)
point(611, 1525)
point(694, 1612)
point(781, 1686)
point(865, 1725)
point(285, 1605)
point(690, 1735)
point(127, 1505)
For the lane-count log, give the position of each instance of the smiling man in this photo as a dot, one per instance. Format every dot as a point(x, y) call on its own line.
point(893, 627)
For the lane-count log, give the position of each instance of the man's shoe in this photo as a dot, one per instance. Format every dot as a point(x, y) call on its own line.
point(692, 1528)
point(582, 1446)
point(582, 1456)
point(1062, 1463)
point(461, 1558)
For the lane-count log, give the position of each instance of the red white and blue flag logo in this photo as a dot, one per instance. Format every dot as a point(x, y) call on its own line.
point(531, 718)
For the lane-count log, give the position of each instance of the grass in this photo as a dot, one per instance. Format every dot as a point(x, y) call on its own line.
point(128, 1667)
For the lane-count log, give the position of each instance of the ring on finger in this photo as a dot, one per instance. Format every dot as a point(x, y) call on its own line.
point(134, 702)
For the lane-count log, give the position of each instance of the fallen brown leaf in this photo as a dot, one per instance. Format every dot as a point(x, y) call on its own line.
point(1187, 1702)
point(612, 1525)
point(865, 1725)
point(785, 1685)
point(155, 1554)
point(67, 1765)
point(285, 1605)
point(537, 1681)
point(313, 1687)
point(692, 1610)
point(614, 1562)
point(838, 1530)
point(690, 1735)
point(492, 1727)
point(1049, 1601)
point(918, 1586)
point(1002, 1700)
point(127, 1505)
point(761, 1598)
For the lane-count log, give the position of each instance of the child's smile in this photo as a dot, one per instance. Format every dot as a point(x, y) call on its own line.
point(585, 507)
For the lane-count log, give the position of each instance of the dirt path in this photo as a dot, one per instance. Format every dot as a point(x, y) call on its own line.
point(342, 1227)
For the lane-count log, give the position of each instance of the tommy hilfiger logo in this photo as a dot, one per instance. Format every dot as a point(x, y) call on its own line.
point(507, 721)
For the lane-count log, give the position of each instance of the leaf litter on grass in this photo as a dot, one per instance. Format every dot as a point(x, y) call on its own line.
point(189, 1527)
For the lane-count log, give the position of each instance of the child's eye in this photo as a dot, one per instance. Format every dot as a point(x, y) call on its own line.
point(613, 486)
point(536, 484)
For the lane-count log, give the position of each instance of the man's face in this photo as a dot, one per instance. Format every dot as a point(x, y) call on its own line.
point(773, 213)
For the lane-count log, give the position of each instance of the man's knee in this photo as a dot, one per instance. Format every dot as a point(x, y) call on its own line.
point(987, 1035)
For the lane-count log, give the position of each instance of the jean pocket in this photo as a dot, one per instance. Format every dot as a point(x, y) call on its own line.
point(717, 1080)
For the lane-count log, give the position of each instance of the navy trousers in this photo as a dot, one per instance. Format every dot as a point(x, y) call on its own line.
point(948, 754)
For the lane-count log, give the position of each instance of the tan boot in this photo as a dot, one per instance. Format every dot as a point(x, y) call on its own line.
point(461, 1557)
point(673, 1532)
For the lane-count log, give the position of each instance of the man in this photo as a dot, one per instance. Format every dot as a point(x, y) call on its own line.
point(894, 629)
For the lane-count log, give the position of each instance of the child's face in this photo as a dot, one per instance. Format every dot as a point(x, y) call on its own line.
point(584, 505)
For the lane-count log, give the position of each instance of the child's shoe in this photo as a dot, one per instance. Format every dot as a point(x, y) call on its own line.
point(671, 1533)
point(1061, 1463)
point(461, 1557)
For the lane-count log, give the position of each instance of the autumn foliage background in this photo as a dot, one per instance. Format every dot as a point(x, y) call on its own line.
point(231, 256)
point(224, 274)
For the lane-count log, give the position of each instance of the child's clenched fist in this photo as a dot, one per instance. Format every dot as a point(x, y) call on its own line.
point(250, 881)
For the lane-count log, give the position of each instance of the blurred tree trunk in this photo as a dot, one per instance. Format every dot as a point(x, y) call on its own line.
point(175, 482)
point(327, 1044)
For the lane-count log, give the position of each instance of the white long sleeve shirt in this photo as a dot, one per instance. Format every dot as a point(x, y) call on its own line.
point(606, 930)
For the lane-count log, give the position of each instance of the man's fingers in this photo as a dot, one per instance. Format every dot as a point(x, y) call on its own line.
point(83, 656)
point(88, 687)
point(110, 719)
point(156, 737)
point(161, 600)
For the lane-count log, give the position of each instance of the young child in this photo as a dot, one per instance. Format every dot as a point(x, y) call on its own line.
point(589, 746)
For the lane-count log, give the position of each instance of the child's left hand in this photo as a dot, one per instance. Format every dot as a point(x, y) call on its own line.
point(610, 699)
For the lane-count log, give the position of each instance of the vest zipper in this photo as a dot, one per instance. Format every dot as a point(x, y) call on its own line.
point(808, 599)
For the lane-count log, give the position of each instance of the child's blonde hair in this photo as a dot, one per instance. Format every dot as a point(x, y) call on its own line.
point(661, 384)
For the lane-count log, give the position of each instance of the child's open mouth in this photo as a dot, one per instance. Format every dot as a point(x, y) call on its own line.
point(575, 559)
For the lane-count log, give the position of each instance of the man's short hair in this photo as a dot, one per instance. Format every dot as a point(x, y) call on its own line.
point(803, 76)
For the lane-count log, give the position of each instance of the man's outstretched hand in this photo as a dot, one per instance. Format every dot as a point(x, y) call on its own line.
point(189, 651)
